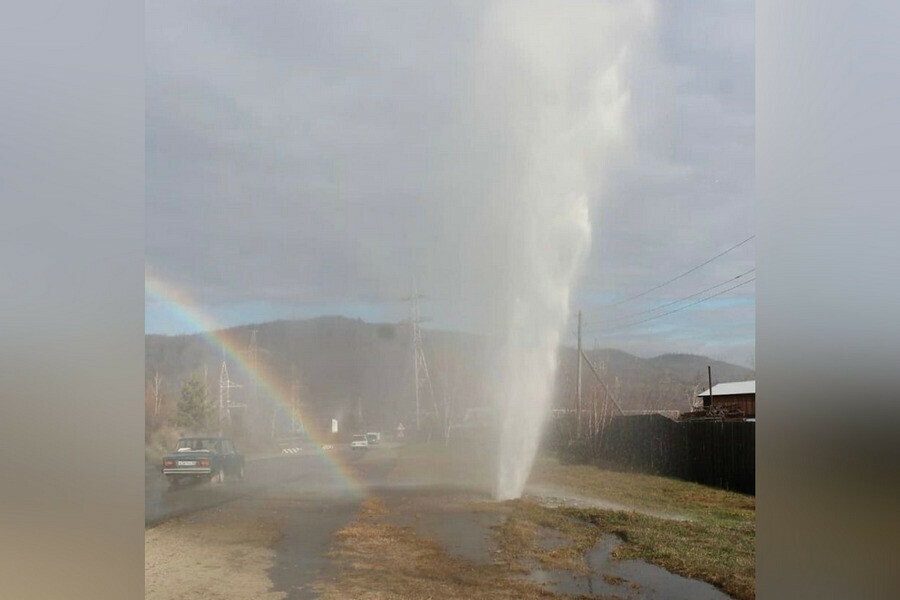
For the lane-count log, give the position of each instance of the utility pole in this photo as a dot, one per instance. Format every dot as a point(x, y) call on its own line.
point(414, 326)
point(605, 387)
point(274, 412)
point(223, 394)
point(156, 398)
point(254, 412)
point(595, 414)
point(253, 352)
point(709, 375)
point(295, 398)
point(578, 381)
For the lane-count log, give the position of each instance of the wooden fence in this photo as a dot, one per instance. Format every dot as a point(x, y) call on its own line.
point(716, 453)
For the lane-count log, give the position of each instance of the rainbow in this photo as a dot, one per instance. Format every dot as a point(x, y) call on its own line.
point(186, 308)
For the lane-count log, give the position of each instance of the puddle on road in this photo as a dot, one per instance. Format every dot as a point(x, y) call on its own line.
point(302, 553)
point(447, 517)
point(632, 579)
point(463, 534)
point(450, 522)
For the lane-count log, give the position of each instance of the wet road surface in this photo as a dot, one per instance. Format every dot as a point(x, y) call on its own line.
point(311, 496)
point(312, 472)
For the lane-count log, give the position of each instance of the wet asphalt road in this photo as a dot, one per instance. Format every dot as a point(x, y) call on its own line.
point(312, 473)
point(312, 496)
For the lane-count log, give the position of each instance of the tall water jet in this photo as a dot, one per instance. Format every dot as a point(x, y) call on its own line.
point(554, 238)
point(564, 103)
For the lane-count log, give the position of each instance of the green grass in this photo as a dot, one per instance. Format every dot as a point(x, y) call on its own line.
point(715, 542)
point(647, 492)
point(723, 555)
point(719, 554)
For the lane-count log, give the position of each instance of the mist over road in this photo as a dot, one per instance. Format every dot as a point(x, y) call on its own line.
point(310, 495)
point(310, 473)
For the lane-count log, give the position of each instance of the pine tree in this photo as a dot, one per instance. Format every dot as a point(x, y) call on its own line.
point(194, 408)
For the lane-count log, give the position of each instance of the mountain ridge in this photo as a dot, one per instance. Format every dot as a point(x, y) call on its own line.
point(350, 365)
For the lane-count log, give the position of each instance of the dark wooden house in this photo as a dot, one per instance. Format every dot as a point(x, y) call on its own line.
point(735, 395)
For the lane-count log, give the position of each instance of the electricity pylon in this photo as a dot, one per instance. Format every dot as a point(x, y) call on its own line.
point(252, 354)
point(420, 364)
point(225, 403)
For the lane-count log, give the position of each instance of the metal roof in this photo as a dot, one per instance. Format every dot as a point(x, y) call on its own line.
point(733, 388)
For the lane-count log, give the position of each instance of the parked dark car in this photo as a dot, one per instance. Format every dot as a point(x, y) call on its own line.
point(205, 458)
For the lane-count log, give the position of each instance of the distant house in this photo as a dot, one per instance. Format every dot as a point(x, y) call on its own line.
point(663, 412)
point(739, 395)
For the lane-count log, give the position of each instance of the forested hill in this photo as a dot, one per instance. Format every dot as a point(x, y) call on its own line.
point(350, 366)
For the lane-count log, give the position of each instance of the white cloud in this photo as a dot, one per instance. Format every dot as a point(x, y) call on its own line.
point(316, 152)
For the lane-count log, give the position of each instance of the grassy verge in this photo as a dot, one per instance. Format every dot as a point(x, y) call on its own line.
point(714, 539)
point(721, 554)
point(647, 492)
point(716, 542)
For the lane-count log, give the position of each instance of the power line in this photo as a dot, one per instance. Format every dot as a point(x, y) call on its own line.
point(712, 287)
point(675, 310)
point(688, 272)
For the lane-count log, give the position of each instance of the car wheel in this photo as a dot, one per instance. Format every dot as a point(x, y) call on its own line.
point(174, 481)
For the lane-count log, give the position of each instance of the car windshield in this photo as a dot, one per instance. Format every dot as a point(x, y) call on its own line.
point(359, 438)
point(196, 444)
